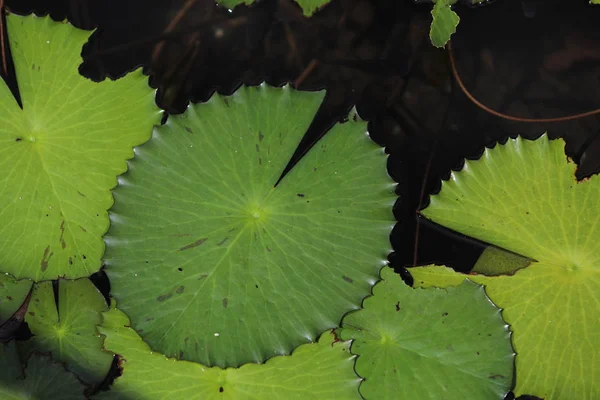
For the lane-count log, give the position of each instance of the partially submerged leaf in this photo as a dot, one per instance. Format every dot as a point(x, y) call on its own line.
point(429, 344)
point(523, 196)
point(322, 370)
point(444, 22)
point(61, 153)
point(213, 263)
point(41, 378)
point(12, 294)
point(495, 261)
point(69, 332)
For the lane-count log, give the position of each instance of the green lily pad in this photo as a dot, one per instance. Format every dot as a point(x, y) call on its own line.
point(12, 295)
point(444, 22)
point(60, 155)
point(309, 7)
point(322, 370)
point(430, 344)
point(41, 379)
point(523, 196)
point(69, 332)
point(216, 265)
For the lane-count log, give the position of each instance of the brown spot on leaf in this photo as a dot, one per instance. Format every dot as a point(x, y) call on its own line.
point(46, 258)
point(18, 139)
point(221, 390)
point(189, 129)
point(268, 249)
point(82, 228)
point(300, 194)
point(164, 297)
point(260, 136)
point(445, 314)
point(398, 306)
point(223, 241)
point(70, 260)
point(259, 161)
point(347, 279)
point(196, 243)
point(180, 289)
point(62, 235)
point(225, 302)
point(81, 194)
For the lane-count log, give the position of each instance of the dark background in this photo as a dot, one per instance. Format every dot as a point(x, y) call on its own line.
point(535, 59)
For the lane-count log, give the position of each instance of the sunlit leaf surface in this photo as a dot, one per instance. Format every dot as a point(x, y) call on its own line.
point(60, 155)
point(523, 196)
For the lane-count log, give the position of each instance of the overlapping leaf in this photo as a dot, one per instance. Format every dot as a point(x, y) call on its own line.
point(12, 295)
point(523, 197)
point(322, 370)
point(41, 379)
point(213, 263)
point(430, 344)
point(495, 261)
point(61, 153)
point(69, 332)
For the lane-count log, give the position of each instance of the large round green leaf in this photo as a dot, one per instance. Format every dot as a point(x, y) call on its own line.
point(61, 153)
point(69, 331)
point(12, 295)
point(430, 344)
point(322, 370)
point(524, 197)
point(41, 379)
point(213, 263)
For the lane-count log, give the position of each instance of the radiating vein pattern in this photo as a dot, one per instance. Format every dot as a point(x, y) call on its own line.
point(524, 197)
point(60, 155)
point(213, 263)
